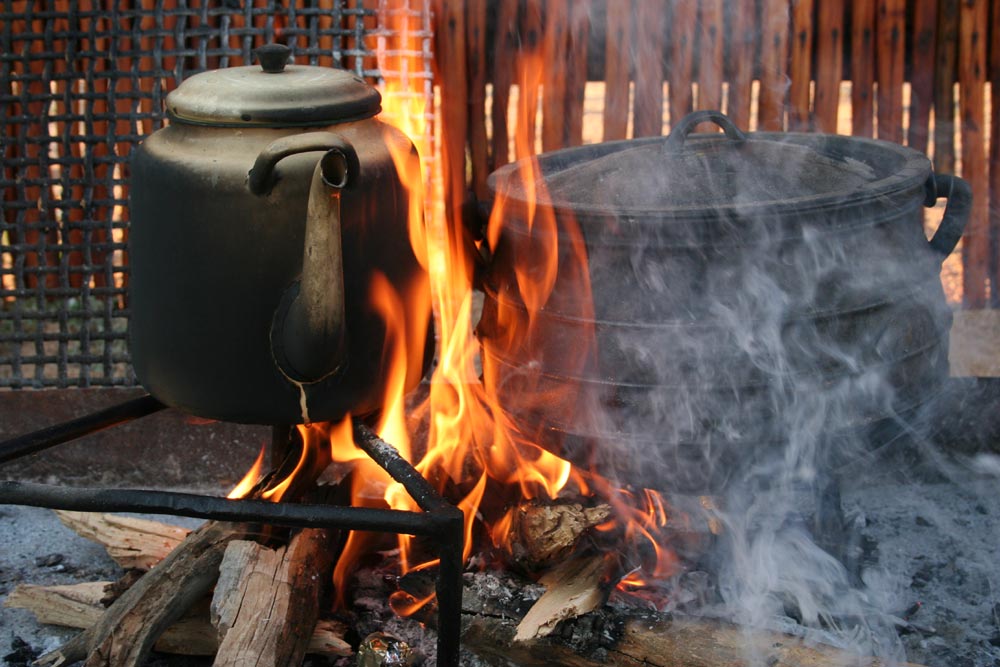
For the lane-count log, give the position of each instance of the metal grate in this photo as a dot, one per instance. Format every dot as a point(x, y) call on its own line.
point(81, 82)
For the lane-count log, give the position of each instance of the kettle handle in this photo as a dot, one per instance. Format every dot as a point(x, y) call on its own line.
point(308, 335)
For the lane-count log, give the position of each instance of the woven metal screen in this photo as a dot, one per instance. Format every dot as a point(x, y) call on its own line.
point(81, 82)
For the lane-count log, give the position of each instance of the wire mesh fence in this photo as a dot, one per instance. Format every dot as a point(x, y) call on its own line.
point(81, 82)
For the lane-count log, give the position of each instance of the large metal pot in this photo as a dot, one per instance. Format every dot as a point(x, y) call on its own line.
point(747, 289)
point(260, 218)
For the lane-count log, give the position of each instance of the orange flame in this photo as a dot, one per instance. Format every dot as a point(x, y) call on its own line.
point(243, 487)
point(475, 451)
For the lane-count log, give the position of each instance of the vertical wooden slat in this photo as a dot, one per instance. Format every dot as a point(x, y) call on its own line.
point(554, 71)
point(475, 25)
point(891, 31)
point(528, 82)
point(863, 68)
point(994, 207)
point(773, 64)
point(973, 19)
point(801, 64)
point(576, 79)
point(504, 52)
point(742, 45)
point(922, 73)
point(946, 57)
point(649, 28)
point(829, 64)
point(680, 70)
point(449, 54)
point(710, 55)
point(616, 69)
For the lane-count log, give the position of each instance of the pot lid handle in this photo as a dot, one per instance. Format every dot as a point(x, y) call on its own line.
point(675, 142)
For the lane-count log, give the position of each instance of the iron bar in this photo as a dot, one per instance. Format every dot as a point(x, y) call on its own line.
point(219, 509)
point(77, 428)
point(399, 469)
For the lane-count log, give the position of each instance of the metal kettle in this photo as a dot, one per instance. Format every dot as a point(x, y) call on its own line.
point(261, 216)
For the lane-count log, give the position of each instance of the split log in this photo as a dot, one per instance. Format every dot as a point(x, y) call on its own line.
point(79, 606)
point(633, 638)
point(543, 534)
point(574, 588)
point(132, 543)
point(266, 603)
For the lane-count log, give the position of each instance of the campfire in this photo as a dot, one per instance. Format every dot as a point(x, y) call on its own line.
point(581, 514)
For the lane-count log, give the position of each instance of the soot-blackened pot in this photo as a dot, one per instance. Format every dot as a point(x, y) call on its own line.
point(746, 289)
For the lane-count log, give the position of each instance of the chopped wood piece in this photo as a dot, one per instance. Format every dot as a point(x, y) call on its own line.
point(132, 543)
point(79, 606)
point(572, 589)
point(76, 606)
point(541, 535)
point(266, 603)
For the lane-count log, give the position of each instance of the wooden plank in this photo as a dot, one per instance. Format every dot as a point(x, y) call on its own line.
point(710, 55)
point(945, 59)
point(576, 76)
point(922, 73)
point(616, 69)
point(680, 72)
point(773, 65)
point(742, 46)
point(554, 70)
point(994, 207)
point(973, 26)
point(475, 26)
point(863, 68)
point(648, 107)
point(801, 64)
point(449, 54)
point(829, 64)
point(891, 36)
point(504, 52)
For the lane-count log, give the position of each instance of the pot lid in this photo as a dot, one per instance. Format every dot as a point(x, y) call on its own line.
point(273, 94)
point(702, 173)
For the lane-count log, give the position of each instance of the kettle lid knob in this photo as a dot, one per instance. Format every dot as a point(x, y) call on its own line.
point(272, 57)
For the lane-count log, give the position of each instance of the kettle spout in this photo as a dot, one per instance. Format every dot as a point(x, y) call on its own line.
point(313, 330)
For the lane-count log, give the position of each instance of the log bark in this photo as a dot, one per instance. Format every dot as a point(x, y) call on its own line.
point(133, 543)
point(79, 606)
point(634, 638)
point(267, 601)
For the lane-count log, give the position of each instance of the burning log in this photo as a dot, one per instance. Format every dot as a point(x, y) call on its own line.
point(543, 534)
point(80, 606)
point(630, 638)
point(283, 586)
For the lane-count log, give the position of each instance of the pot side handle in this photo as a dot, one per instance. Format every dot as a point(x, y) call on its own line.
point(311, 328)
point(956, 213)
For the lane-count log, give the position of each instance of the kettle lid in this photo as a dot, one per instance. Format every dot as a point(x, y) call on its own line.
point(273, 94)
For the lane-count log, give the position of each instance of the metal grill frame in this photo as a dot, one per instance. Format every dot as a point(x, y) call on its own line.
point(438, 519)
point(81, 83)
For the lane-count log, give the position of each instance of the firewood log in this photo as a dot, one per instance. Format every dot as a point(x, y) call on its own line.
point(631, 638)
point(541, 535)
point(79, 606)
point(133, 543)
point(266, 603)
